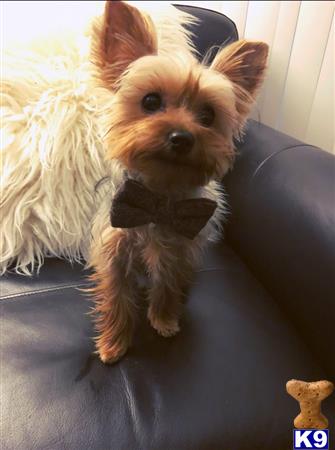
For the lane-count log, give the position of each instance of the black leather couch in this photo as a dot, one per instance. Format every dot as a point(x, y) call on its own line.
point(261, 312)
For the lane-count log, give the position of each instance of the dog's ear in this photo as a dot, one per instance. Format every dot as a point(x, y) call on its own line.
point(124, 35)
point(244, 63)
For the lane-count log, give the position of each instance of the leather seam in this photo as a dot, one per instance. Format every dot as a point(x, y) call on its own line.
point(69, 286)
point(210, 269)
point(42, 291)
point(273, 155)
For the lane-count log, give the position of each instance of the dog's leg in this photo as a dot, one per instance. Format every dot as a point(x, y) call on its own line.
point(170, 271)
point(113, 294)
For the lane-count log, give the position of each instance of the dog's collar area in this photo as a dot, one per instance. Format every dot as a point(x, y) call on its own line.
point(175, 194)
point(135, 205)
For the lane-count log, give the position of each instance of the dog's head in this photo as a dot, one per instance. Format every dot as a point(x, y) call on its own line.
point(172, 118)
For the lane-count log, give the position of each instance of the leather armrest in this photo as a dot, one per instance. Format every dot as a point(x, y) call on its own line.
point(282, 198)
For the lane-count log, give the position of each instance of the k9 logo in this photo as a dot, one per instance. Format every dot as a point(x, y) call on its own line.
point(313, 439)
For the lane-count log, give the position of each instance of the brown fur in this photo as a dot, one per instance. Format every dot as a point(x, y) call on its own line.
point(168, 282)
point(124, 50)
point(243, 63)
point(114, 48)
point(114, 297)
point(135, 139)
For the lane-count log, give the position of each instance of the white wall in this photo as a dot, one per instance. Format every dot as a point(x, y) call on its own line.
point(298, 95)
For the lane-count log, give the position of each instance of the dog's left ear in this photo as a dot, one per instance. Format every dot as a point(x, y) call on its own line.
point(244, 63)
point(124, 35)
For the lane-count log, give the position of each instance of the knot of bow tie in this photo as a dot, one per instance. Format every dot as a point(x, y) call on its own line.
point(135, 205)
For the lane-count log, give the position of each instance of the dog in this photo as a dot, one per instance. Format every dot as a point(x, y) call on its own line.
point(161, 129)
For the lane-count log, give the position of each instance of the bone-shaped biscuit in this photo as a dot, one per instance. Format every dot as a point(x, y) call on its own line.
point(310, 396)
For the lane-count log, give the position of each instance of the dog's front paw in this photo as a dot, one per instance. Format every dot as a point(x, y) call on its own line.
point(165, 328)
point(111, 354)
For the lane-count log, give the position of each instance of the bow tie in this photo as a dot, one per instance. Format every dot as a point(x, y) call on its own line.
point(135, 205)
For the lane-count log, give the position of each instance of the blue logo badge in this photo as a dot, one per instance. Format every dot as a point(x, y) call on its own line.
point(311, 439)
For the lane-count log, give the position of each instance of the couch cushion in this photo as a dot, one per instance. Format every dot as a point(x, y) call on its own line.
point(219, 384)
point(212, 31)
point(282, 223)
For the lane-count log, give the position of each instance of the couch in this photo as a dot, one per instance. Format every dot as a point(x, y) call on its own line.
point(260, 312)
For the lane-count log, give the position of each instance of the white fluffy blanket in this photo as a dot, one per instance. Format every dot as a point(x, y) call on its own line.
point(51, 143)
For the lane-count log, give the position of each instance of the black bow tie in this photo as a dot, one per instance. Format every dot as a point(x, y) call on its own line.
point(134, 205)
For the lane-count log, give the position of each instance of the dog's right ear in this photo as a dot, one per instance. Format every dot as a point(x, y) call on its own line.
point(124, 35)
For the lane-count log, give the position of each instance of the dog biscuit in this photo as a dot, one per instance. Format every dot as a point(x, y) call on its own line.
point(310, 395)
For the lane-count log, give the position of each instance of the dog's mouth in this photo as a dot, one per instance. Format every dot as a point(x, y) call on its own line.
point(165, 169)
point(174, 160)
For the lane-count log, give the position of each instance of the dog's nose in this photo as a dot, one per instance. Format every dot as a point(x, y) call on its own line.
point(181, 141)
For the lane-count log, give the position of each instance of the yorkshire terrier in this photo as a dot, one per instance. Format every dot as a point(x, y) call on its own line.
point(170, 138)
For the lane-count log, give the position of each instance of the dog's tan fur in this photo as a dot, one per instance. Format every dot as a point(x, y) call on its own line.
point(131, 65)
point(108, 133)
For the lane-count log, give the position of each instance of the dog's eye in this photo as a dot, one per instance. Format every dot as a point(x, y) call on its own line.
point(152, 102)
point(207, 116)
